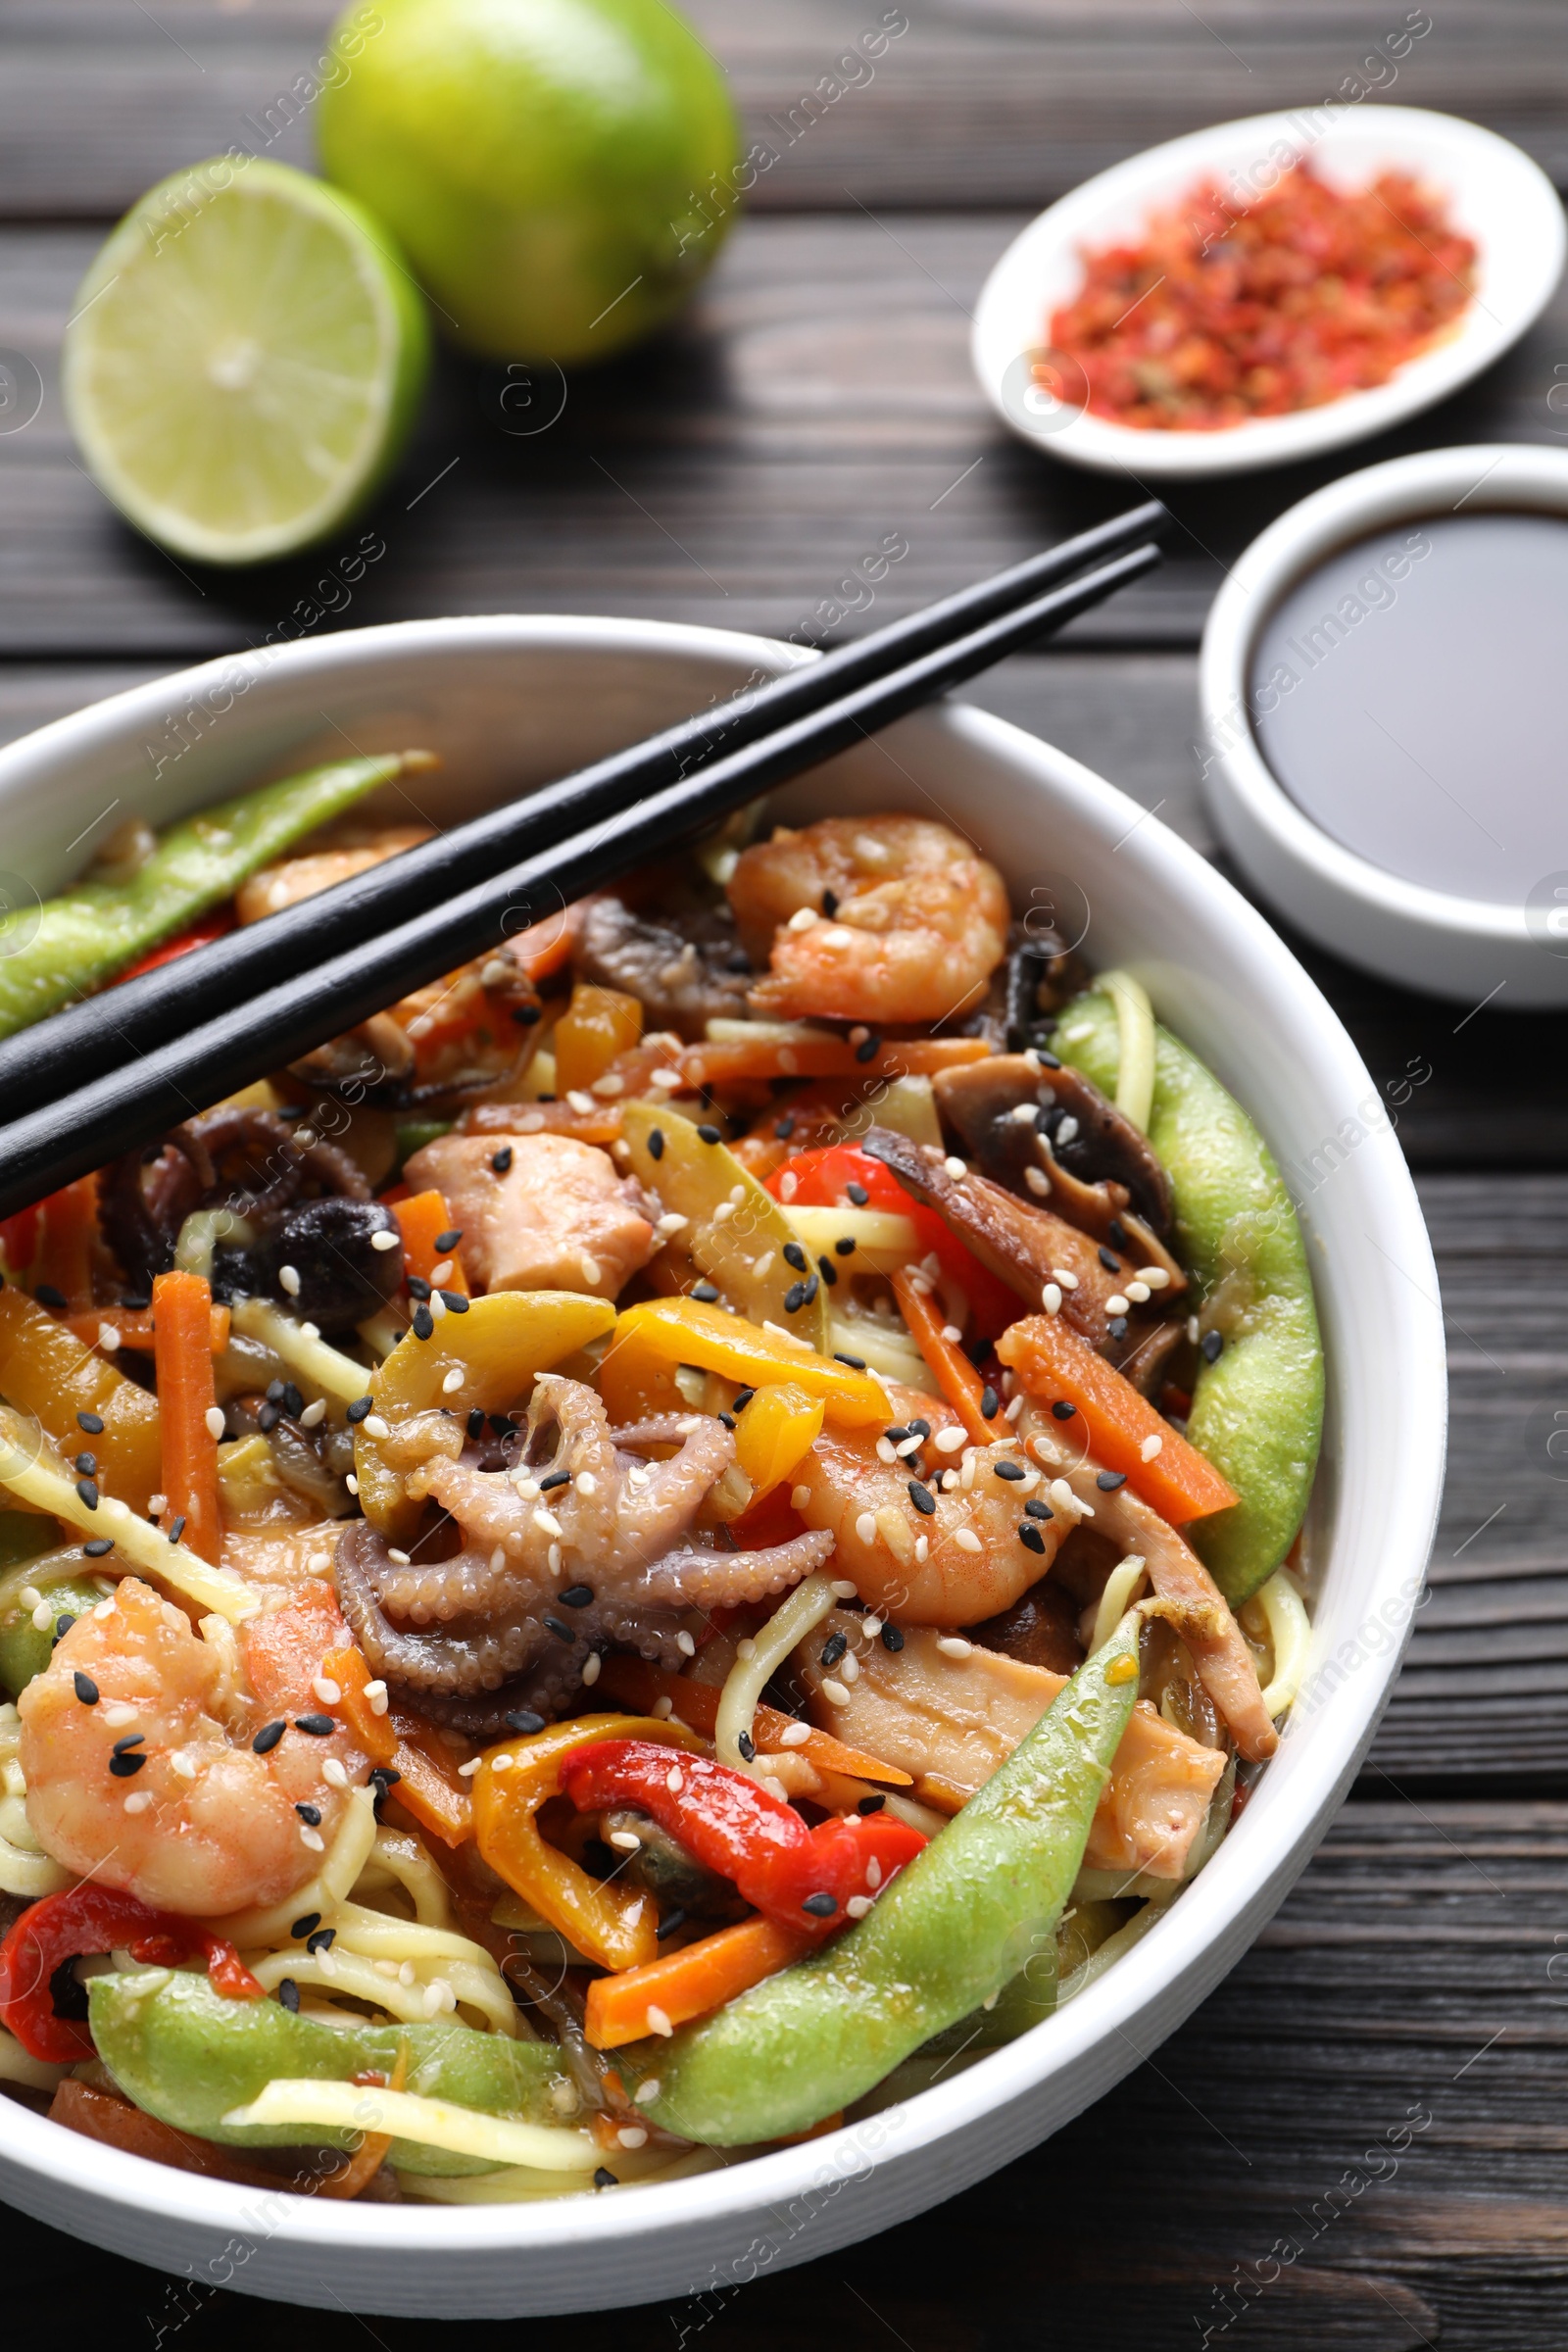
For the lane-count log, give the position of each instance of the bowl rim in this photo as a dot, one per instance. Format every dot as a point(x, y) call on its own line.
point(1475, 342)
point(1162, 1979)
point(1514, 476)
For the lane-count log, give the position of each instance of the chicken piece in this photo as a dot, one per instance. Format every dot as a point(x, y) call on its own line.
point(274, 887)
point(952, 1721)
point(552, 1215)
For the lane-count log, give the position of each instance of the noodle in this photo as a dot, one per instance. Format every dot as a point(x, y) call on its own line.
point(301, 1348)
point(1121, 1590)
point(426, 2123)
point(750, 1676)
point(25, 1868)
point(514, 2186)
point(1290, 1631)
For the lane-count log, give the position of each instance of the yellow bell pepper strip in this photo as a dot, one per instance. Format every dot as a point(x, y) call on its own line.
point(686, 1984)
point(94, 929)
point(774, 1432)
point(616, 1925)
point(46, 1371)
point(494, 1348)
point(182, 1307)
point(637, 1684)
point(637, 1375)
point(597, 1025)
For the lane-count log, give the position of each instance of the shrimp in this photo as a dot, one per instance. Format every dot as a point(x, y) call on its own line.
point(964, 1560)
point(878, 918)
point(206, 1825)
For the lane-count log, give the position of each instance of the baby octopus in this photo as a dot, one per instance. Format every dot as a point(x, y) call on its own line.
point(878, 918)
point(582, 1545)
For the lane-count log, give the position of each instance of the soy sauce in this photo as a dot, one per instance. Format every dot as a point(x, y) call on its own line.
point(1411, 697)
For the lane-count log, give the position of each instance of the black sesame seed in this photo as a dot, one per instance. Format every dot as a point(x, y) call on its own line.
point(122, 1767)
point(784, 1128)
point(87, 1465)
point(897, 1433)
point(445, 1242)
point(857, 1194)
point(88, 1493)
point(919, 1429)
point(988, 1400)
point(1061, 1410)
point(525, 1015)
point(747, 1745)
point(1029, 1536)
point(267, 1738)
point(47, 1295)
point(812, 1286)
point(358, 1408)
point(289, 1993)
point(122, 1748)
point(86, 1688)
point(385, 1777)
point(417, 1287)
point(871, 1804)
point(604, 2178)
point(1047, 1058)
point(562, 1632)
point(320, 1727)
point(1211, 1346)
point(476, 1422)
point(672, 1919)
point(549, 1098)
point(63, 1626)
point(795, 1298)
point(892, 1637)
point(138, 1304)
point(267, 1417)
point(306, 1925)
point(828, 1271)
point(501, 1160)
point(1117, 1327)
point(503, 1425)
point(710, 1135)
point(91, 1423)
point(423, 1323)
point(100, 1548)
point(1107, 1481)
point(1037, 1509)
point(176, 1528)
point(742, 1398)
point(868, 1048)
point(729, 1419)
point(556, 1478)
point(794, 1255)
point(844, 1244)
point(656, 1142)
point(834, 1648)
point(821, 1907)
point(310, 1815)
point(706, 1291)
point(1116, 1234)
point(1109, 1261)
point(856, 1363)
point(1008, 1470)
point(924, 1501)
point(456, 1303)
point(276, 1392)
point(323, 1937)
point(525, 1720)
point(830, 904)
point(578, 1596)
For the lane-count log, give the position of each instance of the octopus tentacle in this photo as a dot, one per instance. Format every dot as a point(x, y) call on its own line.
point(457, 1663)
point(720, 1580)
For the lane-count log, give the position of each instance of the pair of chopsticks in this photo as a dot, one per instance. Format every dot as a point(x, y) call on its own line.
point(117, 1069)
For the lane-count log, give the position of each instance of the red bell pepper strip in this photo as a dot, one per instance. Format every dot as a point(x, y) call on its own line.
point(822, 1180)
point(803, 1878)
point(200, 935)
point(89, 1919)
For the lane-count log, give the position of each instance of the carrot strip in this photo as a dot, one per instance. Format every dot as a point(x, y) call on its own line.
point(70, 1230)
point(683, 1984)
point(375, 1734)
point(135, 1326)
point(98, 2115)
point(960, 1384)
point(422, 1219)
point(633, 1683)
point(1054, 1363)
point(544, 947)
point(182, 1358)
point(427, 1784)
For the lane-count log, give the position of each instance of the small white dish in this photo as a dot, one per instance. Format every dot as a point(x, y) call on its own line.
point(1494, 195)
point(1467, 949)
point(511, 700)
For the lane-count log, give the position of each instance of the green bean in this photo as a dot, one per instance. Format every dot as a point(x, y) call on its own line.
point(1258, 1408)
point(955, 1926)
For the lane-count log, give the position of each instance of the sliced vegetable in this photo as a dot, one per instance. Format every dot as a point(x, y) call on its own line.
point(673, 1990)
point(94, 929)
point(613, 1925)
point(843, 1176)
point(956, 1376)
point(776, 1432)
point(637, 1685)
point(46, 1371)
point(89, 1919)
point(1125, 1434)
point(215, 925)
point(424, 1220)
point(637, 1374)
point(114, 1326)
point(597, 1025)
point(183, 1357)
point(64, 1580)
point(70, 1233)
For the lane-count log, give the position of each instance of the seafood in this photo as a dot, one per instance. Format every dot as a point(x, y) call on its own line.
point(205, 1823)
point(877, 919)
point(539, 1211)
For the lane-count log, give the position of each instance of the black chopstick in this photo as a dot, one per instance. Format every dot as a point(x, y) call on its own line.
point(98, 1035)
point(127, 1106)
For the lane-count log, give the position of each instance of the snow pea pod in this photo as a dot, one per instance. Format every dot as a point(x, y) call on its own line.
point(183, 2053)
point(954, 1928)
point(94, 929)
point(1257, 1406)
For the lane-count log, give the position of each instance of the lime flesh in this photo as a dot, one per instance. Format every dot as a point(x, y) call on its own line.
point(244, 361)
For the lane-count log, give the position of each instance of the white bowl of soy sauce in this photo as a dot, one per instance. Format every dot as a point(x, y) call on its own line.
point(1384, 687)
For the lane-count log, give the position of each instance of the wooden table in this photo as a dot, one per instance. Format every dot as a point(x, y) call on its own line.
point(816, 398)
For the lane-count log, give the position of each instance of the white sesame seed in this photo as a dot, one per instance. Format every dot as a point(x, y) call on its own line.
point(746, 1647)
point(547, 1523)
point(438, 1307)
point(309, 1330)
point(108, 1337)
point(1067, 1130)
point(289, 1277)
point(670, 1223)
point(313, 1838)
point(352, 1482)
point(965, 1539)
point(385, 1239)
point(761, 1265)
point(627, 1840)
point(502, 1763)
point(586, 1483)
point(1157, 1277)
point(579, 1101)
point(401, 1558)
point(795, 1735)
point(1153, 1446)
point(608, 1086)
point(799, 1496)
point(1116, 1305)
point(674, 1780)
point(1023, 1112)
point(590, 1668)
point(955, 1168)
point(907, 1447)
point(685, 1644)
point(1050, 1298)
point(214, 1418)
point(182, 1765)
point(842, 1589)
point(668, 1079)
point(1011, 1411)
point(835, 1693)
point(406, 1972)
point(374, 1426)
point(1065, 1276)
point(552, 1556)
point(724, 1213)
point(885, 1450)
point(632, 2136)
point(334, 1774)
point(311, 1417)
point(858, 1905)
point(43, 1617)
point(801, 919)
point(788, 1185)
point(952, 1645)
point(592, 1270)
point(327, 1690)
point(658, 2022)
point(1038, 1180)
point(873, 1870)
point(376, 1694)
point(1138, 1292)
point(646, 2091)
point(922, 1552)
point(1191, 1329)
point(663, 1708)
point(952, 1334)
point(139, 1802)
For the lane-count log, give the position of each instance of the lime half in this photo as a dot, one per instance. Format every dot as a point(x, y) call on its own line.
point(244, 361)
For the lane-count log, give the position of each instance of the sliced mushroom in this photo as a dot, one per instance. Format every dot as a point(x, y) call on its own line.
point(1022, 1121)
point(688, 969)
point(1039, 1630)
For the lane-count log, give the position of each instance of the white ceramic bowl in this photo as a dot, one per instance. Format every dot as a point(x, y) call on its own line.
point(1464, 948)
point(1496, 195)
point(510, 701)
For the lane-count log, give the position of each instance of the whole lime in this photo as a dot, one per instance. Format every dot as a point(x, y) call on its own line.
point(561, 173)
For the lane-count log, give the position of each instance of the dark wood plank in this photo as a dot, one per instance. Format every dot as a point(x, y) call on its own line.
point(1355, 2143)
point(816, 405)
point(977, 103)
